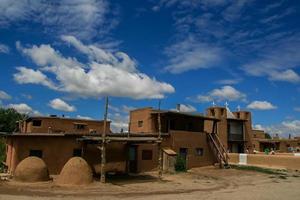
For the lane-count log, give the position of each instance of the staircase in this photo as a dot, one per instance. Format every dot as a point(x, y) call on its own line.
point(218, 149)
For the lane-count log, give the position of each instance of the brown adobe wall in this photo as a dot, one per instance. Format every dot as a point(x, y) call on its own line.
point(280, 161)
point(141, 115)
point(65, 125)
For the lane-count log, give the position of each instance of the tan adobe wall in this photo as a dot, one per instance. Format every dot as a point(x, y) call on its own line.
point(143, 115)
point(191, 141)
point(260, 134)
point(273, 161)
point(57, 150)
point(61, 125)
point(221, 114)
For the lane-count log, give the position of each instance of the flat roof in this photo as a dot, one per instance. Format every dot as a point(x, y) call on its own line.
point(64, 118)
point(197, 115)
point(139, 139)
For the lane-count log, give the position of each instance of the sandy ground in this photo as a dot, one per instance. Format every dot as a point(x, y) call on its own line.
point(199, 183)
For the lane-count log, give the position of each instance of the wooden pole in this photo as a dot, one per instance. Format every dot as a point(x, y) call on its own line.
point(159, 145)
point(103, 149)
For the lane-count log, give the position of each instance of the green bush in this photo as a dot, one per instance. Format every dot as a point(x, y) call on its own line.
point(180, 165)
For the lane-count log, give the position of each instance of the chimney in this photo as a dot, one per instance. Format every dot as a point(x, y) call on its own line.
point(178, 107)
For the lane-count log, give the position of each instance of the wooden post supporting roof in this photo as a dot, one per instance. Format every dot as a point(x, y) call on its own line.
point(159, 147)
point(103, 146)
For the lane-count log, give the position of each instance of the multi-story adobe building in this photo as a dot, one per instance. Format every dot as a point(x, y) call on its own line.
point(200, 139)
point(184, 133)
point(234, 128)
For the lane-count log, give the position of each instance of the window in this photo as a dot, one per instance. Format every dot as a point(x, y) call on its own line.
point(36, 122)
point(140, 123)
point(80, 126)
point(147, 155)
point(222, 112)
point(199, 151)
point(77, 152)
point(238, 115)
point(212, 112)
point(37, 153)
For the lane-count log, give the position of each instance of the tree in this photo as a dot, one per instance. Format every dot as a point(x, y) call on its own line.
point(268, 136)
point(8, 119)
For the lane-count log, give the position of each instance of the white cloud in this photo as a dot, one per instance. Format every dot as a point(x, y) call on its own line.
point(4, 48)
point(26, 75)
point(106, 73)
point(258, 127)
point(225, 93)
point(118, 122)
point(284, 128)
point(4, 95)
point(23, 109)
point(261, 105)
point(297, 109)
point(85, 19)
point(286, 75)
point(59, 104)
point(191, 54)
point(277, 60)
point(229, 81)
point(186, 108)
point(84, 117)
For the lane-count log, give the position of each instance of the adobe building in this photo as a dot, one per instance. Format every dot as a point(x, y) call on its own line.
point(54, 139)
point(281, 145)
point(154, 139)
point(185, 134)
point(234, 128)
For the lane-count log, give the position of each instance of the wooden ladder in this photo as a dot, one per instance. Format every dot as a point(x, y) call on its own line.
point(218, 148)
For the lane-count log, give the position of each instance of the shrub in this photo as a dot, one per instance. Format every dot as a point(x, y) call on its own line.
point(180, 165)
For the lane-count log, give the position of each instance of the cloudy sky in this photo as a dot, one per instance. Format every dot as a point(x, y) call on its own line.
point(63, 57)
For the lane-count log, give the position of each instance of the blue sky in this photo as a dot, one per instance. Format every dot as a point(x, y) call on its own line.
point(63, 57)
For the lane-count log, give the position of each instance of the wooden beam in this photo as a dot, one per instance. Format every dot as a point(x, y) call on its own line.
point(103, 145)
point(159, 147)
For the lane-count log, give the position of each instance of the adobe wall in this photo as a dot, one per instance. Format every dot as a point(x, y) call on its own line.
point(141, 115)
point(57, 150)
point(59, 125)
point(274, 161)
point(191, 141)
point(221, 114)
point(245, 115)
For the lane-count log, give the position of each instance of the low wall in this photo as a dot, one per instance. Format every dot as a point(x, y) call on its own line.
point(273, 161)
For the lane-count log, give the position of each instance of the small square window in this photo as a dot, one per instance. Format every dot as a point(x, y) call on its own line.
point(199, 151)
point(36, 122)
point(77, 152)
point(140, 123)
point(147, 155)
point(36, 153)
point(80, 126)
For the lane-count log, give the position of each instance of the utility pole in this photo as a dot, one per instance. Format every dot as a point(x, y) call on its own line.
point(103, 150)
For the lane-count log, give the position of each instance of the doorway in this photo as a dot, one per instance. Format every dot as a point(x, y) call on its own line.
point(183, 154)
point(132, 159)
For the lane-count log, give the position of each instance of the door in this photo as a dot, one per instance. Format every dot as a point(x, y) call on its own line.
point(183, 154)
point(133, 159)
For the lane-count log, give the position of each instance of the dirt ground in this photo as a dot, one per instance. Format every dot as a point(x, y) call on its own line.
point(199, 183)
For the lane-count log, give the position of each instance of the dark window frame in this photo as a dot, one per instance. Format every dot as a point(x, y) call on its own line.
point(36, 152)
point(199, 151)
point(140, 123)
point(147, 154)
point(37, 122)
point(77, 152)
